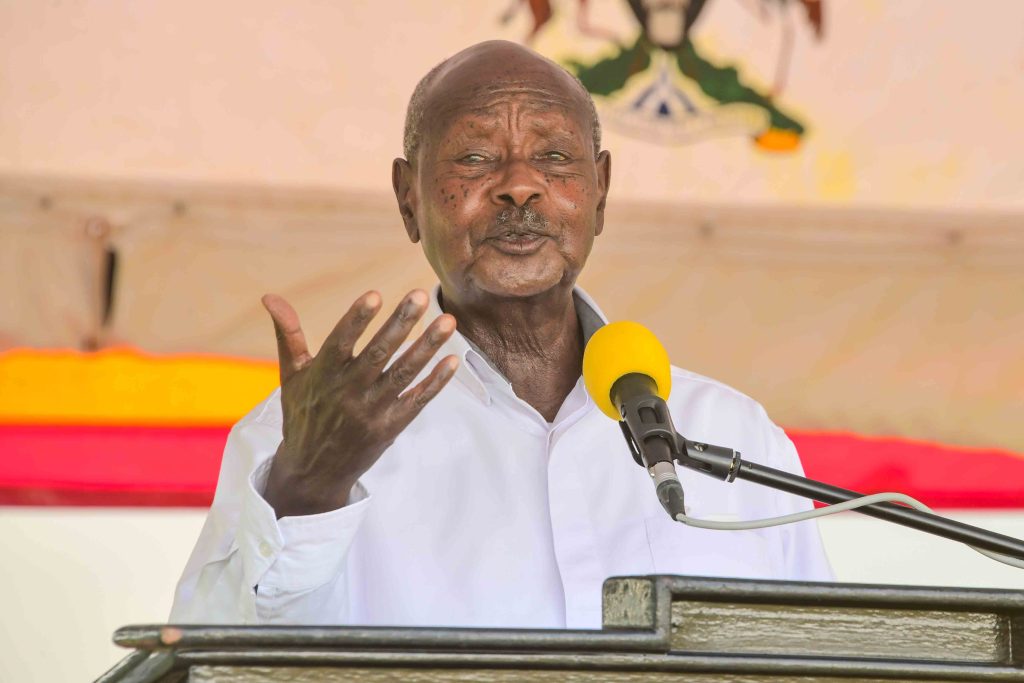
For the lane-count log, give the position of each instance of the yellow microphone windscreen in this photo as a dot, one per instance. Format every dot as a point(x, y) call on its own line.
point(618, 349)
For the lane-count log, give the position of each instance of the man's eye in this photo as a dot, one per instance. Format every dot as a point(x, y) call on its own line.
point(473, 158)
point(555, 156)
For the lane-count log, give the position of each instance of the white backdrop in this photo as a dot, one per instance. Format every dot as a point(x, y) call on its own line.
point(70, 576)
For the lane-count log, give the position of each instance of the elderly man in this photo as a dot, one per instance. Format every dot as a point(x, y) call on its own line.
point(484, 488)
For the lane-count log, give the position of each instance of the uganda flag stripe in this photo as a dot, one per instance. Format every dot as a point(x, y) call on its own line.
point(124, 428)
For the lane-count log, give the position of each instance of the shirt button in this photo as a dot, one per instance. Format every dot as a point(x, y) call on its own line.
point(265, 549)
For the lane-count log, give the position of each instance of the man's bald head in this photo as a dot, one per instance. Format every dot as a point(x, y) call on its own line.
point(484, 66)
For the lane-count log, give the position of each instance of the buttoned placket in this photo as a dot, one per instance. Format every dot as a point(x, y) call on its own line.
point(573, 535)
point(572, 531)
point(572, 527)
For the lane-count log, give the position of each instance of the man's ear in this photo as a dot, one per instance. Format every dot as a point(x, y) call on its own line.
point(604, 179)
point(402, 179)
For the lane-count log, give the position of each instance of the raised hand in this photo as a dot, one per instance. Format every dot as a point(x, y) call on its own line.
point(342, 411)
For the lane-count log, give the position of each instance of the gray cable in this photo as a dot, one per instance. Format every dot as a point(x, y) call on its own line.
point(831, 510)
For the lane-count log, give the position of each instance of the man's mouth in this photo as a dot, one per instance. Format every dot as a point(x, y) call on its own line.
point(518, 243)
point(519, 231)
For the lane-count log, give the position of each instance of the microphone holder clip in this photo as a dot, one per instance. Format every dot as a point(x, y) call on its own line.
point(646, 418)
point(716, 461)
point(634, 450)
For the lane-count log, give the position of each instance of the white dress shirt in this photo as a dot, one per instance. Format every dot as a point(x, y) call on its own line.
point(484, 514)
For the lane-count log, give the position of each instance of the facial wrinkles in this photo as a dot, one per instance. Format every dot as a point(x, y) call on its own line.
point(488, 94)
point(498, 106)
point(509, 126)
point(533, 101)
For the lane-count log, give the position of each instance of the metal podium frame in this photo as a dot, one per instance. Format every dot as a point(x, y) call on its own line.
point(656, 629)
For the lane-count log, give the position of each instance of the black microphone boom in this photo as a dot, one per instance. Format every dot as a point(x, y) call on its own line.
point(728, 465)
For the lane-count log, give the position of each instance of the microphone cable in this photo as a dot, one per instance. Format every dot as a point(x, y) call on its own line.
point(832, 510)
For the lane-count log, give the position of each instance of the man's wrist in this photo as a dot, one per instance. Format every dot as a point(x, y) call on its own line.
point(293, 496)
point(290, 500)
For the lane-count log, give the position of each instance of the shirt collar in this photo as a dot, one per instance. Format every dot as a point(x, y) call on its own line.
point(473, 364)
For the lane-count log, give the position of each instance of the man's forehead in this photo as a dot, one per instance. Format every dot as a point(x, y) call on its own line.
point(495, 79)
point(516, 102)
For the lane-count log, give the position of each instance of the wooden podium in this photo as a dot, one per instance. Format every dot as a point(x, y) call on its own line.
point(658, 628)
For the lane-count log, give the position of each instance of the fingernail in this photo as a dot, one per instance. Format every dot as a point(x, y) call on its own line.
point(372, 300)
point(439, 333)
point(419, 298)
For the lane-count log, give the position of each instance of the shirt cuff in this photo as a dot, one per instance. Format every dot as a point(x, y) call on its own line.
point(295, 554)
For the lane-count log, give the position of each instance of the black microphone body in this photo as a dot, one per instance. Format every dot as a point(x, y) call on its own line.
point(651, 435)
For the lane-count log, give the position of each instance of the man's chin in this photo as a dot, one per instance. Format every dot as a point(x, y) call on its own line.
point(520, 285)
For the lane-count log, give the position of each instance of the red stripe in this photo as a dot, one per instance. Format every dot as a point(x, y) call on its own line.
point(937, 475)
point(178, 466)
point(109, 466)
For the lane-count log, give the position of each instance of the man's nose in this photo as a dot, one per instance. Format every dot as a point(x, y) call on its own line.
point(521, 184)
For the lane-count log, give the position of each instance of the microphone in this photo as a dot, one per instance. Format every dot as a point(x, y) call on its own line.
point(627, 373)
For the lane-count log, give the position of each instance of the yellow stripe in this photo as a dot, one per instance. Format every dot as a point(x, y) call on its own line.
point(127, 387)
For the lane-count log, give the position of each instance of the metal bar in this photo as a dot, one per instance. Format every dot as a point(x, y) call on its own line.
point(699, 588)
point(449, 639)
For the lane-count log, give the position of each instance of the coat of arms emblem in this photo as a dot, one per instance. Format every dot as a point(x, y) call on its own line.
point(660, 86)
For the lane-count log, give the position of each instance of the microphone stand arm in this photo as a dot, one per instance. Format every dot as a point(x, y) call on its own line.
point(727, 465)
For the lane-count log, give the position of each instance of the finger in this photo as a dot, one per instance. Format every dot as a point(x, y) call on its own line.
point(404, 370)
point(375, 356)
point(413, 401)
point(346, 333)
point(292, 352)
